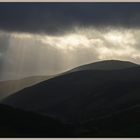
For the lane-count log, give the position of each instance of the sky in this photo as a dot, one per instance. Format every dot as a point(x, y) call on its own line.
point(49, 38)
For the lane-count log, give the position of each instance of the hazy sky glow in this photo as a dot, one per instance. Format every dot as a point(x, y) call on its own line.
point(44, 52)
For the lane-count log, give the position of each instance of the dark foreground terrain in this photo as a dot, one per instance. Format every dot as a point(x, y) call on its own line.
point(18, 123)
point(88, 102)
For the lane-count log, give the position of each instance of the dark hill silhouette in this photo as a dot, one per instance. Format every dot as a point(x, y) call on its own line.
point(82, 95)
point(11, 86)
point(84, 103)
point(105, 65)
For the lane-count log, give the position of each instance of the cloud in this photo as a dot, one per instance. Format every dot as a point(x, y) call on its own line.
point(31, 54)
point(4, 44)
point(59, 18)
point(48, 38)
point(27, 54)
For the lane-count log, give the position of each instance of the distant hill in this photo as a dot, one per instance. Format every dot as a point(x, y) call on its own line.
point(11, 86)
point(106, 65)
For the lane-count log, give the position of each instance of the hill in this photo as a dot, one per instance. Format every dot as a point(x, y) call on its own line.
point(105, 65)
point(97, 102)
point(9, 87)
point(81, 95)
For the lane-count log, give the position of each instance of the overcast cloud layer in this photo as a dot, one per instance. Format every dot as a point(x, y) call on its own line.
point(44, 39)
point(62, 17)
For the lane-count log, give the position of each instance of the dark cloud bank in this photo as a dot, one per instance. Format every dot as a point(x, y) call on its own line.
point(59, 17)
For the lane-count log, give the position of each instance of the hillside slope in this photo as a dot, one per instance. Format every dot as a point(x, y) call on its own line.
point(82, 95)
point(9, 87)
point(105, 65)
